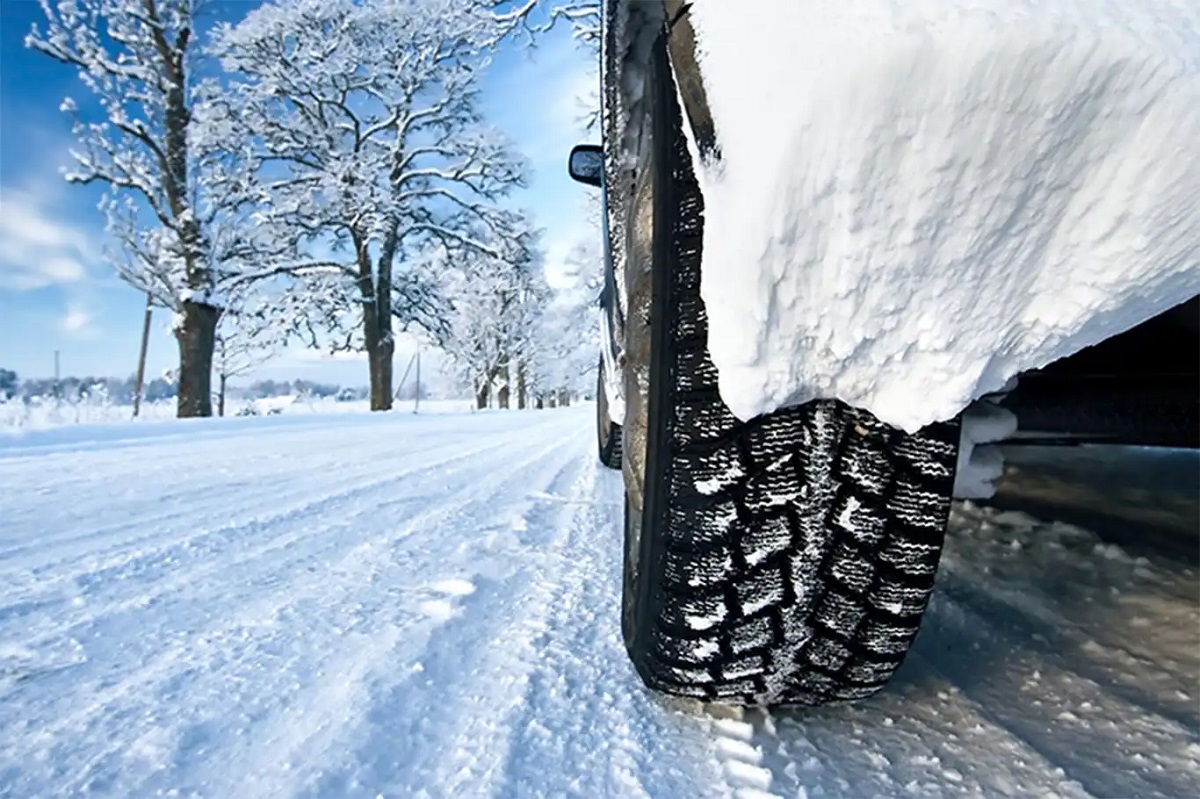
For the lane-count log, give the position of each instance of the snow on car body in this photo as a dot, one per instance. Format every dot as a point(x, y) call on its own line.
point(831, 227)
point(920, 201)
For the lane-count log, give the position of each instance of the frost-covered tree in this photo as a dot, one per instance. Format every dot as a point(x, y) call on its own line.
point(495, 323)
point(365, 116)
point(583, 16)
point(528, 19)
point(563, 362)
point(136, 57)
point(246, 338)
point(10, 384)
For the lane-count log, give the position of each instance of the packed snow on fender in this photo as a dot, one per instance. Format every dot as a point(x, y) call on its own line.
point(398, 605)
point(915, 201)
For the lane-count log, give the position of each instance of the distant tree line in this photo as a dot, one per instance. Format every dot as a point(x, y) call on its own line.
point(114, 389)
point(120, 391)
point(9, 383)
point(261, 389)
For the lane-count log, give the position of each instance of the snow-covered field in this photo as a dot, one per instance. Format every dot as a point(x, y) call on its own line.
point(47, 412)
point(400, 605)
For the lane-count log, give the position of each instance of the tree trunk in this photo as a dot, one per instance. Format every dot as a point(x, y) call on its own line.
point(522, 392)
point(379, 358)
point(539, 403)
point(505, 390)
point(564, 398)
point(221, 394)
point(196, 334)
point(377, 332)
point(481, 396)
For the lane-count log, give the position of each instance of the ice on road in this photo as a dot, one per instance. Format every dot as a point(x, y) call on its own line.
point(404, 605)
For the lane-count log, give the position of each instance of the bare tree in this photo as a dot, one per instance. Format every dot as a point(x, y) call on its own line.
point(245, 340)
point(177, 207)
point(562, 358)
point(134, 56)
point(497, 307)
point(369, 127)
point(538, 16)
point(531, 18)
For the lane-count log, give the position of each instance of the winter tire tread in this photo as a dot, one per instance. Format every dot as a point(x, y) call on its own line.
point(786, 559)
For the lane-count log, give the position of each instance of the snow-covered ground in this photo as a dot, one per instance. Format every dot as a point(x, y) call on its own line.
point(400, 605)
point(918, 200)
point(44, 413)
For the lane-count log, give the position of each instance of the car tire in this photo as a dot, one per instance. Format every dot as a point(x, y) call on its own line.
point(608, 432)
point(782, 560)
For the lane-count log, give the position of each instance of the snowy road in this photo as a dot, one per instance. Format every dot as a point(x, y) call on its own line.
point(427, 606)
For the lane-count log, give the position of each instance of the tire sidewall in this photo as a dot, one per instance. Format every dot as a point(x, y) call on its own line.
point(648, 395)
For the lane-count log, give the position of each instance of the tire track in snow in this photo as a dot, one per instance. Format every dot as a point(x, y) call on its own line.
point(110, 477)
point(200, 652)
point(407, 656)
point(247, 511)
point(461, 728)
point(109, 440)
point(743, 739)
point(119, 572)
point(357, 494)
point(1091, 611)
point(610, 734)
point(1133, 679)
point(167, 599)
point(402, 610)
point(921, 738)
point(1073, 722)
point(446, 725)
point(347, 481)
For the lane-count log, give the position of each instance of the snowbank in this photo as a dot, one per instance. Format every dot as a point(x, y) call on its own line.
point(18, 417)
point(918, 200)
point(44, 412)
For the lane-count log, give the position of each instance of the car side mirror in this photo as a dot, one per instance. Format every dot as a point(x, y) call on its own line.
point(586, 164)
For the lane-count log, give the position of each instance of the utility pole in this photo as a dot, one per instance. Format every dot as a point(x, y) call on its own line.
point(522, 388)
point(417, 403)
point(57, 377)
point(141, 370)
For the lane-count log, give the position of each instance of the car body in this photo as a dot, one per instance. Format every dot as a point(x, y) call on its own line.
point(834, 638)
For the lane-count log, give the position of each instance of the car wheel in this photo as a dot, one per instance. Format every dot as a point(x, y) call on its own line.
point(786, 559)
point(608, 432)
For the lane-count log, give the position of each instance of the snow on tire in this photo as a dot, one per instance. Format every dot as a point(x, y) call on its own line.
point(787, 559)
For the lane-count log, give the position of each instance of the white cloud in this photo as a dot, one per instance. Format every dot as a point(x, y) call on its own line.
point(36, 248)
point(77, 320)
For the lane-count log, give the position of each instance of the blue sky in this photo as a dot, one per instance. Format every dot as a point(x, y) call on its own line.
point(57, 292)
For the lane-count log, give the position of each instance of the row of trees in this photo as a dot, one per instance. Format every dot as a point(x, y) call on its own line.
point(73, 388)
point(319, 171)
point(121, 391)
point(9, 384)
